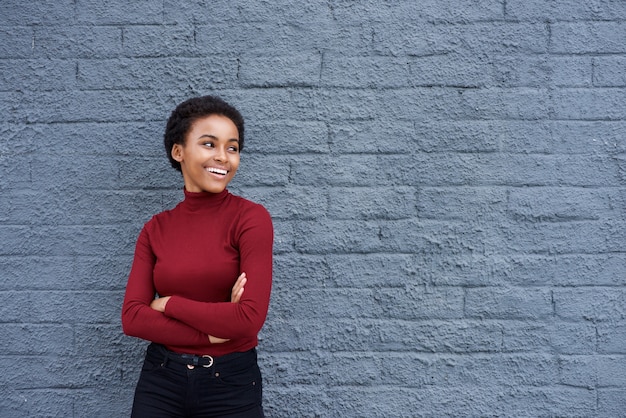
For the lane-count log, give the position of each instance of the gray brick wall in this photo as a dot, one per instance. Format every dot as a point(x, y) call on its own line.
point(447, 180)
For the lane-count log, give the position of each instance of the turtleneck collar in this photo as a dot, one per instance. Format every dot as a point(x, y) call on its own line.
point(198, 200)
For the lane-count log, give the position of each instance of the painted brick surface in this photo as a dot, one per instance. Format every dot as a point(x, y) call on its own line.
point(447, 181)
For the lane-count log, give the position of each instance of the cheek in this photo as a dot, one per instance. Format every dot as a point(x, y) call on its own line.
point(234, 165)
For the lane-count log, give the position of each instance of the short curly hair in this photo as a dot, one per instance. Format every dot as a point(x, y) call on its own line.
point(189, 111)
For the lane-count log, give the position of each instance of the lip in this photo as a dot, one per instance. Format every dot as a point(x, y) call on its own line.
point(215, 175)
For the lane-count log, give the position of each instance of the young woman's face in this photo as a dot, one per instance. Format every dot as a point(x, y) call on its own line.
point(209, 158)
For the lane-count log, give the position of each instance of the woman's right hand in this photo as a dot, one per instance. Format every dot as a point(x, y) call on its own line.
point(235, 296)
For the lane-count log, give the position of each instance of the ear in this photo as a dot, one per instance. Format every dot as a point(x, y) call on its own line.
point(177, 152)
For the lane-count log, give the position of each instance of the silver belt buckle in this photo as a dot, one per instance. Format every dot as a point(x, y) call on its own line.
point(210, 361)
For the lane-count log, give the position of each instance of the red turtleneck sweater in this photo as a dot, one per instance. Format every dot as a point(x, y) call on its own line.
point(194, 253)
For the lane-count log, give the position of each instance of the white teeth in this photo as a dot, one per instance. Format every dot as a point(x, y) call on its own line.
point(217, 170)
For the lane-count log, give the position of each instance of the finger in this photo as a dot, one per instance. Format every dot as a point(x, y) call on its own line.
point(237, 296)
point(241, 281)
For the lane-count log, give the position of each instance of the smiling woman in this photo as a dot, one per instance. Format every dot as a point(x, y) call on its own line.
point(200, 283)
point(209, 158)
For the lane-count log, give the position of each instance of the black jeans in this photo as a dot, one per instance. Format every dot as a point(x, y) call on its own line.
point(230, 387)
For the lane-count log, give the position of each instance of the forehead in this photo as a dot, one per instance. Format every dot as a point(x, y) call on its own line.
point(215, 125)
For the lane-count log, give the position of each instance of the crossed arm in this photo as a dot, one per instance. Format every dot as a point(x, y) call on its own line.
point(159, 304)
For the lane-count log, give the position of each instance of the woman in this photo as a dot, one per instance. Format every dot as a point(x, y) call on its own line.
point(199, 287)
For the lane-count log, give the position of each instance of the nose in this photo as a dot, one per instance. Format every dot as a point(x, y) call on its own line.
point(220, 154)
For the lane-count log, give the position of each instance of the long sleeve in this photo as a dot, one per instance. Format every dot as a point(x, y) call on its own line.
point(138, 319)
point(253, 236)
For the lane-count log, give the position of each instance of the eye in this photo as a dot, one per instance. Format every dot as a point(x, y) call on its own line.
point(233, 148)
point(208, 144)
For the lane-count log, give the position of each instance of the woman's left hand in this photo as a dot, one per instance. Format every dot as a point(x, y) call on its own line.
point(159, 303)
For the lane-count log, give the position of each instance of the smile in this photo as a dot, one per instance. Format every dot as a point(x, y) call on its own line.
point(217, 171)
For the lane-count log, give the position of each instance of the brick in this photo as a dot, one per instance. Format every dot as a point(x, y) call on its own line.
point(177, 41)
point(369, 136)
point(255, 36)
point(16, 42)
point(292, 203)
point(372, 203)
point(578, 371)
point(280, 71)
point(588, 104)
point(343, 237)
point(15, 170)
point(288, 11)
point(261, 170)
point(611, 402)
point(517, 104)
point(37, 75)
point(473, 136)
point(538, 10)
point(312, 400)
point(76, 240)
point(562, 270)
point(88, 106)
point(449, 70)
point(199, 12)
point(559, 204)
point(313, 268)
point(496, 369)
point(89, 172)
point(36, 340)
point(115, 12)
point(147, 173)
point(587, 37)
point(16, 240)
point(62, 307)
point(343, 335)
point(286, 137)
point(19, 13)
point(530, 71)
point(284, 237)
point(107, 341)
point(350, 170)
point(365, 72)
point(611, 370)
point(435, 11)
point(561, 336)
point(440, 237)
point(563, 237)
point(97, 138)
point(152, 73)
point(420, 302)
point(580, 137)
point(462, 203)
point(609, 71)
point(371, 270)
point(417, 38)
point(611, 337)
point(76, 41)
point(320, 303)
point(589, 303)
point(103, 272)
point(437, 336)
point(58, 372)
point(480, 169)
point(511, 303)
point(36, 402)
point(17, 139)
point(34, 272)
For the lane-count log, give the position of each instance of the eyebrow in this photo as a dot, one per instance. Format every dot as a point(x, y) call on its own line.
point(217, 139)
